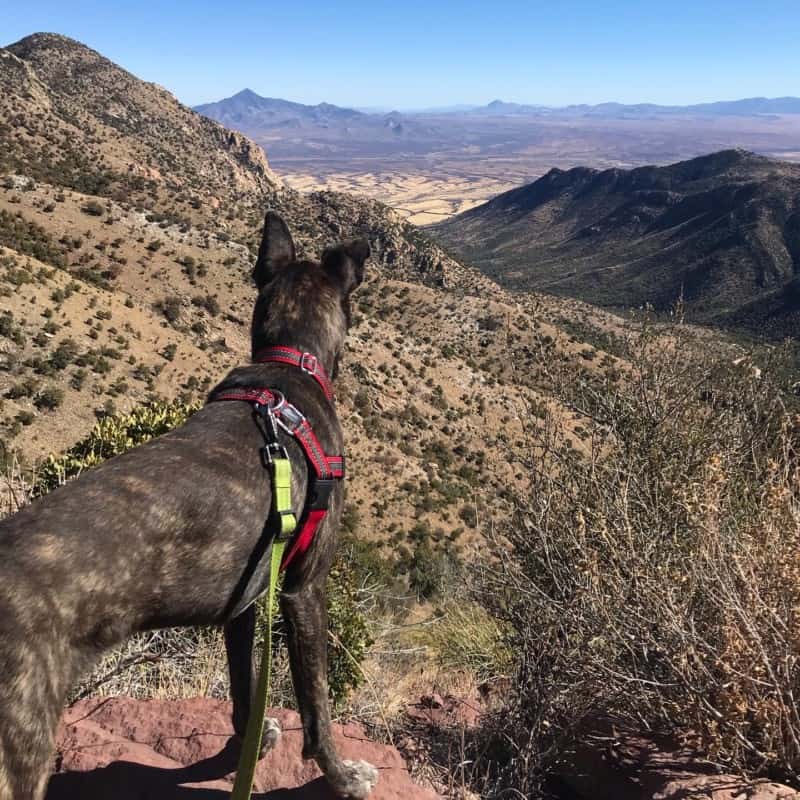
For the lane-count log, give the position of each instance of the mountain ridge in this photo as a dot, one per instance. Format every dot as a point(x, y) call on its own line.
point(719, 232)
point(745, 106)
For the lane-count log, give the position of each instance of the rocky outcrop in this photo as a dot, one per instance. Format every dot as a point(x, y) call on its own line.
point(181, 749)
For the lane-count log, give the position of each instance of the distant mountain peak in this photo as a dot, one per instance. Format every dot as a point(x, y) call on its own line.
point(249, 111)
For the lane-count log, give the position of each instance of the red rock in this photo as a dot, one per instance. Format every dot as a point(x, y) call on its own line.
point(129, 749)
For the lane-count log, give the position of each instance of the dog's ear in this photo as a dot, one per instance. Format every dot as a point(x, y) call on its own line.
point(276, 250)
point(345, 263)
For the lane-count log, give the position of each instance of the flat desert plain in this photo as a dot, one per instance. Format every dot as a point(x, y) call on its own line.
point(445, 165)
point(422, 199)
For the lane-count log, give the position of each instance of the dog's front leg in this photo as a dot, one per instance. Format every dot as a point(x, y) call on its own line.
point(240, 635)
point(306, 616)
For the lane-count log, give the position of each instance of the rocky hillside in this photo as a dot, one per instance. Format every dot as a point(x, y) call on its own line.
point(71, 118)
point(126, 230)
point(722, 231)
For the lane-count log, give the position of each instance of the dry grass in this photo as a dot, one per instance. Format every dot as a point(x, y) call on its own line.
point(166, 664)
point(16, 489)
point(463, 637)
point(653, 580)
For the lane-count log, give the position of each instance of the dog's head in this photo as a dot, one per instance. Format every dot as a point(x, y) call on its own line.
point(304, 304)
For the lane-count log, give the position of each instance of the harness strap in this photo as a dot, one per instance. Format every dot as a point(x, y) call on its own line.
point(272, 407)
point(307, 362)
point(282, 495)
point(326, 468)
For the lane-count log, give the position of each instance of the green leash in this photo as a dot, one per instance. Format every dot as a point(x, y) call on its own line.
point(282, 497)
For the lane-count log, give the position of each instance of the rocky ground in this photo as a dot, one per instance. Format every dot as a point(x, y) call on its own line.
point(181, 750)
point(136, 749)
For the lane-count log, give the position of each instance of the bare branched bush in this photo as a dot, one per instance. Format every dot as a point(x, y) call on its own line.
point(653, 573)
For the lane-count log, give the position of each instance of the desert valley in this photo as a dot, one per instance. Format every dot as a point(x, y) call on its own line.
point(429, 165)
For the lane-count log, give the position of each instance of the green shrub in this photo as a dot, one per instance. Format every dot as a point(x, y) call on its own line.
point(93, 208)
point(110, 437)
point(208, 302)
point(170, 307)
point(49, 398)
point(349, 637)
point(29, 238)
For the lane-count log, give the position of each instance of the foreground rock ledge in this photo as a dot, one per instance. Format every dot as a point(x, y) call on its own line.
point(179, 750)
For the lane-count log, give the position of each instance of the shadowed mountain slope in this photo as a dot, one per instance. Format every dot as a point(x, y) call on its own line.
point(722, 231)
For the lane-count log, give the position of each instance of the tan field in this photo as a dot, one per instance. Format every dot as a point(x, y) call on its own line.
point(422, 199)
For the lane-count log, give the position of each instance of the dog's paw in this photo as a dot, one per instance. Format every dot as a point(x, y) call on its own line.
point(271, 735)
point(359, 780)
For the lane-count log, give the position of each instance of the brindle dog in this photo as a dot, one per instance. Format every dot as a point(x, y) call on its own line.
point(171, 534)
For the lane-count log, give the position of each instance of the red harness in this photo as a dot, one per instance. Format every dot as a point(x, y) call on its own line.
point(327, 469)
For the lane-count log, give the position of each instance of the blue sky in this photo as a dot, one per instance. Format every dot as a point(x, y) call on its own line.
point(414, 54)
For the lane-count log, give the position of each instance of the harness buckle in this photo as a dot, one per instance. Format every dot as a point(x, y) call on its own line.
point(308, 363)
point(322, 488)
point(290, 418)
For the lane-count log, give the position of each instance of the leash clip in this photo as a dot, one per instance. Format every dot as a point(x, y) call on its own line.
point(272, 451)
point(269, 412)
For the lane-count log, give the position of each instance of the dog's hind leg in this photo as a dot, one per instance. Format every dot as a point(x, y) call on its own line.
point(306, 616)
point(240, 635)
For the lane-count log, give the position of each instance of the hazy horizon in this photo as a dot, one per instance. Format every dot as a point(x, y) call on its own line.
point(456, 105)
